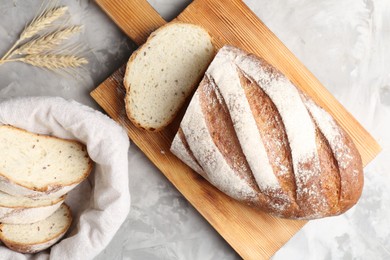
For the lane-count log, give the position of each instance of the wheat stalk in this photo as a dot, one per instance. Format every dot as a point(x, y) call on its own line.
point(46, 43)
point(53, 61)
point(40, 23)
point(41, 51)
point(43, 22)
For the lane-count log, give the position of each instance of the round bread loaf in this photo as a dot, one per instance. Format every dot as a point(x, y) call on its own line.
point(251, 133)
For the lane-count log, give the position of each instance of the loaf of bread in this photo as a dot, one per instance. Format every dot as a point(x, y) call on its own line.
point(163, 72)
point(34, 166)
point(22, 210)
point(251, 133)
point(38, 236)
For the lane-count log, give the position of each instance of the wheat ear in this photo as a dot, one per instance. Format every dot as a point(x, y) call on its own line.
point(43, 21)
point(54, 61)
point(46, 43)
point(39, 24)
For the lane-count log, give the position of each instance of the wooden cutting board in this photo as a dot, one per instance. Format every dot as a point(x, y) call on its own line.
point(253, 234)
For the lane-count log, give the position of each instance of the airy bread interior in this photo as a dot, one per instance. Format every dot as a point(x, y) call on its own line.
point(163, 73)
point(35, 161)
point(40, 232)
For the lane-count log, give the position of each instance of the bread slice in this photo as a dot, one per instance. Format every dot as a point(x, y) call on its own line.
point(35, 237)
point(23, 210)
point(33, 165)
point(163, 72)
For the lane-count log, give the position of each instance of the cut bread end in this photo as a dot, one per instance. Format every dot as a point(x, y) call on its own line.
point(163, 72)
point(32, 238)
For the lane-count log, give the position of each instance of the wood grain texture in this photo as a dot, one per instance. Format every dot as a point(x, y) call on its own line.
point(136, 18)
point(253, 234)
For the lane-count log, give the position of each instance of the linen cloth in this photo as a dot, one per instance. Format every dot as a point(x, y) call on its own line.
point(101, 203)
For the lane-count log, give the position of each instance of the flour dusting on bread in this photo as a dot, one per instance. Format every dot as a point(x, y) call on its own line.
point(303, 164)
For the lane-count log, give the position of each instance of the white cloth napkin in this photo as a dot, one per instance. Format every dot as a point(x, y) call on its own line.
point(100, 204)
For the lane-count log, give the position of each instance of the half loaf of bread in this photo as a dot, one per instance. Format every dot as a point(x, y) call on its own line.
point(33, 165)
point(163, 72)
point(35, 237)
point(23, 210)
point(251, 133)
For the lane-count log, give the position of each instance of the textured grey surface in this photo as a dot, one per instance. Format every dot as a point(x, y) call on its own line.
point(343, 42)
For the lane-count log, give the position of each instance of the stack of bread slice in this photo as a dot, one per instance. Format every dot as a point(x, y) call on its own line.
point(36, 173)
